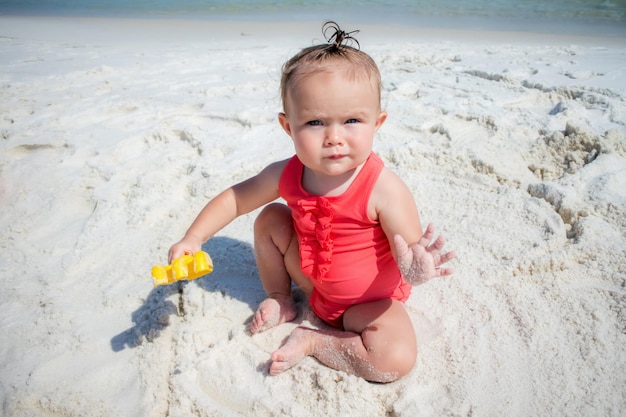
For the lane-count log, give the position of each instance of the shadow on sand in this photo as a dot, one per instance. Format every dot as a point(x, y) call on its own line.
point(234, 274)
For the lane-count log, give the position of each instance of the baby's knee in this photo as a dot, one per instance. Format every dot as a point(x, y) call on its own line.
point(395, 358)
point(402, 358)
point(273, 214)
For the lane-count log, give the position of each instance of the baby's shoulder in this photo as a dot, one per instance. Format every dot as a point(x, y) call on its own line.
point(389, 188)
point(277, 167)
point(388, 181)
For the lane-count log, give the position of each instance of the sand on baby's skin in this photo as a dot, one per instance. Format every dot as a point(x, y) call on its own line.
point(113, 134)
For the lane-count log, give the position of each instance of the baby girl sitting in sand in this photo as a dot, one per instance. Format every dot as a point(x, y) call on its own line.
point(342, 237)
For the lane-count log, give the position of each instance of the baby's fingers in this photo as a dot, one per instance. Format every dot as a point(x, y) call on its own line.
point(444, 272)
point(427, 236)
point(177, 251)
point(438, 244)
point(447, 257)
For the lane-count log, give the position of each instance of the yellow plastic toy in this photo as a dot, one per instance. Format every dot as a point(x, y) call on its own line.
point(186, 267)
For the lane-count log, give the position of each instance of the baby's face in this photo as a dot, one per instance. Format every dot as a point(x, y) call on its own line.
point(332, 118)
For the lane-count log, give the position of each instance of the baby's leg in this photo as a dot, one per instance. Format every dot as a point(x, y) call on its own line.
point(277, 257)
point(378, 344)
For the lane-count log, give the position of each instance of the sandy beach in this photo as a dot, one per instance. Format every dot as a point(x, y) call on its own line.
point(114, 133)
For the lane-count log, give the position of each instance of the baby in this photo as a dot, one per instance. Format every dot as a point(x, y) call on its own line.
point(342, 237)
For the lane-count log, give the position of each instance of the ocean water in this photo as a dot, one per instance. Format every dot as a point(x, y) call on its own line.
point(605, 16)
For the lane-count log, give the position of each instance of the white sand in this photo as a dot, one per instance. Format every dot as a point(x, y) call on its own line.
point(113, 134)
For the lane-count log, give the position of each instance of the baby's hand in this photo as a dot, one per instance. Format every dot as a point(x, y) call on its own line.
point(422, 261)
point(187, 246)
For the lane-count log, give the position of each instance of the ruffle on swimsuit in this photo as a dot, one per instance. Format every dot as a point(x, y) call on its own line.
point(319, 215)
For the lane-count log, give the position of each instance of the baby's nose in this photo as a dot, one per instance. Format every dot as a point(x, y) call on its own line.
point(333, 136)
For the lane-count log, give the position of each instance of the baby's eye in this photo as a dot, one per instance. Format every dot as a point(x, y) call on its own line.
point(352, 121)
point(314, 123)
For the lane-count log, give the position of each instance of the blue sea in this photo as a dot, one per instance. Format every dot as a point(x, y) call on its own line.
point(572, 16)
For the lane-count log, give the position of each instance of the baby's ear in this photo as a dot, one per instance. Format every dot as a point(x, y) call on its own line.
point(284, 122)
point(382, 116)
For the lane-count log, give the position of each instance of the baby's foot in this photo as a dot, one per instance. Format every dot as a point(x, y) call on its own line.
point(297, 347)
point(272, 312)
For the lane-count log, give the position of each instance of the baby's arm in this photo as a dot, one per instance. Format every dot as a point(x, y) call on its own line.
point(417, 258)
point(228, 205)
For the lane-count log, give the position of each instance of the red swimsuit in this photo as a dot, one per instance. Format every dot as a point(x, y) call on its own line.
point(344, 253)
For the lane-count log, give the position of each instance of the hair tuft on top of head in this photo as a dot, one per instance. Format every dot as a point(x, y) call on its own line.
point(340, 51)
point(337, 38)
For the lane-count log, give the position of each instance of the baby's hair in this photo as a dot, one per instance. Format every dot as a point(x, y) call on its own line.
point(338, 52)
point(337, 36)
